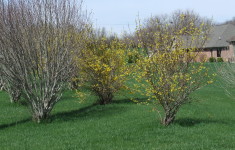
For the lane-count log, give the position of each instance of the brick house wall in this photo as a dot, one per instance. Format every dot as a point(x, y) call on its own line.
point(227, 53)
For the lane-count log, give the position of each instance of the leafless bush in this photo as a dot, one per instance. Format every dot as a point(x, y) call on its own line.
point(226, 77)
point(38, 39)
point(14, 91)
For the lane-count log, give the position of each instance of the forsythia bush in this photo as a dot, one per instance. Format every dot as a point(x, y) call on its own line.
point(167, 70)
point(103, 68)
point(169, 81)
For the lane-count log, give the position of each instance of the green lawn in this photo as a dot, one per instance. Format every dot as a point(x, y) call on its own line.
point(206, 123)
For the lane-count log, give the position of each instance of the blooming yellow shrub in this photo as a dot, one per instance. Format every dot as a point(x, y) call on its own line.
point(103, 67)
point(167, 70)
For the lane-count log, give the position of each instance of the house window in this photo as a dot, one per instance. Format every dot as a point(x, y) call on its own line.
point(218, 52)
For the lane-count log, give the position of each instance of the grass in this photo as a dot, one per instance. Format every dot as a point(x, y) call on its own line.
point(206, 123)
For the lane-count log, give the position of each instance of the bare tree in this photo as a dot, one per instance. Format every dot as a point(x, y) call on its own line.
point(38, 39)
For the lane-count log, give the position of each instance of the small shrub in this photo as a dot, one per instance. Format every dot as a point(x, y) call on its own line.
point(212, 59)
point(104, 66)
point(220, 59)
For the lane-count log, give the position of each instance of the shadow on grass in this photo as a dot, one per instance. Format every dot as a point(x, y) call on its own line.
point(94, 111)
point(123, 101)
point(129, 101)
point(189, 122)
point(4, 126)
point(23, 103)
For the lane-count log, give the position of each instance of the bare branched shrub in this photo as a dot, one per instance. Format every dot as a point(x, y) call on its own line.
point(37, 40)
point(226, 77)
point(14, 91)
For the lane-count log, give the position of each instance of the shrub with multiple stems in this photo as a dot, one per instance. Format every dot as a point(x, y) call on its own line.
point(37, 37)
point(103, 67)
point(167, 70)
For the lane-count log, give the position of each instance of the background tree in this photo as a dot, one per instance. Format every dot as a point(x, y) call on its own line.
point(152, 30)
point(37, 42)
point(166, 68)
point(232, 21)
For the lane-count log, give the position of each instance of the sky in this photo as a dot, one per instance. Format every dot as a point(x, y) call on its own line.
point(119, 15)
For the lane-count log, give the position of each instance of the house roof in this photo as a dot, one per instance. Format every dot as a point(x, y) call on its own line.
point(232, 39)
point(219, 36)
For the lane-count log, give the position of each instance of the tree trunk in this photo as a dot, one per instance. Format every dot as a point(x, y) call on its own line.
point(41, 116)
point(15, 95)
point(169, 118)
point(106, 99)
point(41, 108)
